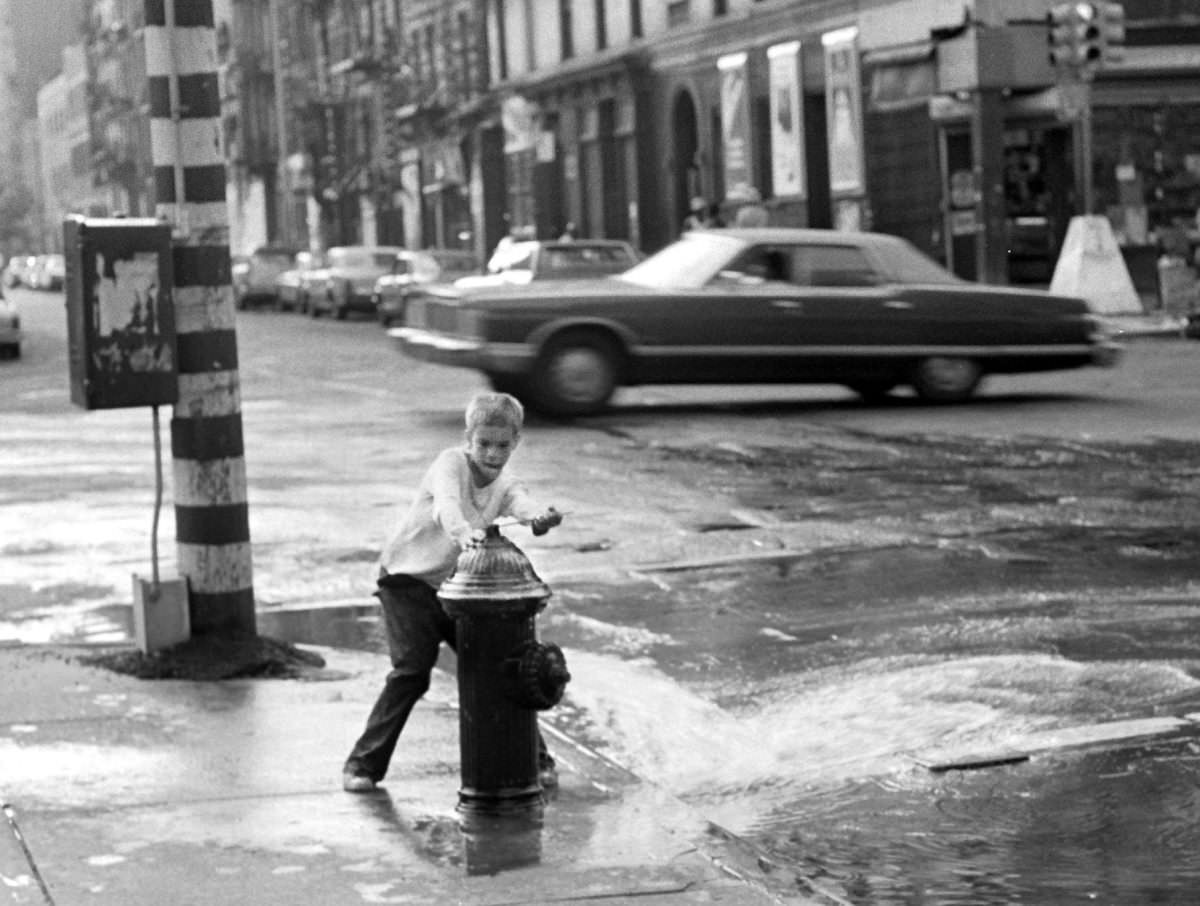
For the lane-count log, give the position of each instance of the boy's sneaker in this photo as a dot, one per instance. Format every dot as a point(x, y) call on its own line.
point(548, 776)
point(357, 783)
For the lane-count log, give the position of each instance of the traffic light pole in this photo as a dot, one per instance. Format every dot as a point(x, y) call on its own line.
point(1085, 151)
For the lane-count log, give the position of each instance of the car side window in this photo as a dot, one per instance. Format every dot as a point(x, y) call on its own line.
point(763, 263)
point(832, 265)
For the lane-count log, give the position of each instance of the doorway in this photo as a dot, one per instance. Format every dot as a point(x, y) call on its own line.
point(685, 138)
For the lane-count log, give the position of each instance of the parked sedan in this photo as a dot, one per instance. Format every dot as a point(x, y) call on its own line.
point(413, 270)
point(350, 284)
point(254, 277)
point(47, 272)
point(525, 261)
point(10, 329)
point(865, 310)
point(291, 285)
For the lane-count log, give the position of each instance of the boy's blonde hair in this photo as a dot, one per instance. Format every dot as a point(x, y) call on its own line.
point(500, 410)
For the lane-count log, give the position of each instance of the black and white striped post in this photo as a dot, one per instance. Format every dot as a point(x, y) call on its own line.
point(212, 521)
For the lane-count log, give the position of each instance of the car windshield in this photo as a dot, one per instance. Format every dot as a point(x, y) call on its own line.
point(520, 259)
point(458, 262)
point(422, 266)
point(364, 258)
point(687, 264)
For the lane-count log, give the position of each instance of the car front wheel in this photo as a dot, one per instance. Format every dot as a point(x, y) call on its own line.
point(576, 374)
point(946, 379)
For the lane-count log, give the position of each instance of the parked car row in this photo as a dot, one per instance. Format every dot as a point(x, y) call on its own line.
point(380, 281)
point(45, 272)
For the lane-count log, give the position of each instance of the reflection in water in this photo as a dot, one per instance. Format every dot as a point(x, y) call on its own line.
point(357, 627)
point(495, 843)
point(487, 844)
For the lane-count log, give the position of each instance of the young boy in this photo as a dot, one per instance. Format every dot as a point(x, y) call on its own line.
point(463, 492)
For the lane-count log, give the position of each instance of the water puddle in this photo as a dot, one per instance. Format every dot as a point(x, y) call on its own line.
point(1114, 826)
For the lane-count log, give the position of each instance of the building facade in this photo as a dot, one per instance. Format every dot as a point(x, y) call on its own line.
point(117, 99)
point(64, 135)
point(450, 123)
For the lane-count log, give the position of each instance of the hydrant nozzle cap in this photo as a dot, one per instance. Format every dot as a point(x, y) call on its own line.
point(493, 569)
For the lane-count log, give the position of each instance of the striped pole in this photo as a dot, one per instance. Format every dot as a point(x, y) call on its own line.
point(212, 521)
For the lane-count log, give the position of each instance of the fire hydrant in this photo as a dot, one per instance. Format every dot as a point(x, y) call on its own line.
point(505, 675)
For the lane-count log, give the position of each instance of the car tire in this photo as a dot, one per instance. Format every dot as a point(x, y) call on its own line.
point(314, 310)
point(946, 379)
point(10, 351)
point(337, 306)
point(576, 374)
point(873, 391)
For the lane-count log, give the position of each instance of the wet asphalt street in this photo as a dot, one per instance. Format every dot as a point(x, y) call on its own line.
point(775, 602)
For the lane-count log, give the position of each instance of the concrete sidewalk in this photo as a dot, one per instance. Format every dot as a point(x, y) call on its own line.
point(126, 791)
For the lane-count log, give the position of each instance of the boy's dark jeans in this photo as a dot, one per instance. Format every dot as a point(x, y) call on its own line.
point(416, 626)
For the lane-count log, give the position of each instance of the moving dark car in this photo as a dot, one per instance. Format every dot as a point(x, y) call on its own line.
point(865, 310)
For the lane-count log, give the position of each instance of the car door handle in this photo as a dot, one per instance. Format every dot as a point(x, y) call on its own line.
point(897, 304)
point(787, 304)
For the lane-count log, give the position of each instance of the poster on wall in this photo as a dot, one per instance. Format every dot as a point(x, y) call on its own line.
point(788, 176)
point(843, 112)
point(519, 118)
point(735, 124)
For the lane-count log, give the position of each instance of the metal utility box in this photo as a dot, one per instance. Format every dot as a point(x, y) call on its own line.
point(120, 312)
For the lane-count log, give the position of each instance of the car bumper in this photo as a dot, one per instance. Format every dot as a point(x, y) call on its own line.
point(1107, 355)
point(442, 349)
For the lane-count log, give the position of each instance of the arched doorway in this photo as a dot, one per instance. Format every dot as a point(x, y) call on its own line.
point(685, 139)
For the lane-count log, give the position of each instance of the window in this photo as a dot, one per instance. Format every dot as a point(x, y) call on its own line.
point(679, 12)
point(466, 49)
point(418, 65)
point(501, 41)
point(831, 265)
point(566, 29)
point(764, 262)
point(432, 75)
point(720, 7)
point(601, 25)
point(635, 18)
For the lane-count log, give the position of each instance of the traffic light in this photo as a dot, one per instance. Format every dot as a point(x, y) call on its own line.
point(1112, 32)
point(1063, 34)
point(1090, 49)
point(1083, 36)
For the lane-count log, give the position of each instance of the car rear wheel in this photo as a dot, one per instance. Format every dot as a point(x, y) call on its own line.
point(576, 374)
point(946, 379)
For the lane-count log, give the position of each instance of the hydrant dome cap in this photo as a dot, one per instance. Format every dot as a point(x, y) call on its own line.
point(493, 569)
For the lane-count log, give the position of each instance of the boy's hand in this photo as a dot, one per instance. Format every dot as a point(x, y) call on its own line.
point(543, 523)
point(470, 536)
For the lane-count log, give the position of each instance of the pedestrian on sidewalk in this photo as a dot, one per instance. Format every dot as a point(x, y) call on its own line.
point(462, 492)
